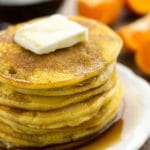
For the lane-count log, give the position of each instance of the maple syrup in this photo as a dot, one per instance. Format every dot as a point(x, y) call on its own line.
point(107, 139)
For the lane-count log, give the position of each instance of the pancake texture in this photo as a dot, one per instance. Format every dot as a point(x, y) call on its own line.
point(61, 99)
point(12, 98)
point(65, 67)
point(78, 88)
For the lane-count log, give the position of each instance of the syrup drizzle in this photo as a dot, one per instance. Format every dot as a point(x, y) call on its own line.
point(107, 139)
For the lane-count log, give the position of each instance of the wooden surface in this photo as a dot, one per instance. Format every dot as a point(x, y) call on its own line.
point(146, 145)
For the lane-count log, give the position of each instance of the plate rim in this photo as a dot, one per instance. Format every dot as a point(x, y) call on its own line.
point(130, 75)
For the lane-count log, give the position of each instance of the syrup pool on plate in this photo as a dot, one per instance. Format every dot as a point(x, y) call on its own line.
point(107, 139)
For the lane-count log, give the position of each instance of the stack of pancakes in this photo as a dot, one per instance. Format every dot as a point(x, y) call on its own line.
point(59, 98)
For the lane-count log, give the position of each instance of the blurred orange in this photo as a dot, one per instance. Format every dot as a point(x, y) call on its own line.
point(106, 11)
point(139, 6)
point(142, 59)
point(136, 34)
point(136, 37)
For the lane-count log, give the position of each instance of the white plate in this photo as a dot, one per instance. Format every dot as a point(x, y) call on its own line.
point(136, 129)
point(135, 124)
point(136, 116)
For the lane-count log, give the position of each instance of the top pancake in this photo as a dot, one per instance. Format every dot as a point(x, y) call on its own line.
point(69, 66)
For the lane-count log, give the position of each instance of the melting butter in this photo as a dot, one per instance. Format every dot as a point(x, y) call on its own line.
point(49, 34)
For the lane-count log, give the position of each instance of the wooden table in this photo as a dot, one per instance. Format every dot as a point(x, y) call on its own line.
point(146, 145)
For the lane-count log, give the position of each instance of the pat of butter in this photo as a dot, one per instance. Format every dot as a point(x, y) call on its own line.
point(49, 34)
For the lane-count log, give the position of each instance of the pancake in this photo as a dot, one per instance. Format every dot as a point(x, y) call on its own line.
point(60, 98)
point(72, 115)
point(68, 145)
point(21, 68)
point(94, 121)
point(68, 90)
point(103, 117)
point(12, 98)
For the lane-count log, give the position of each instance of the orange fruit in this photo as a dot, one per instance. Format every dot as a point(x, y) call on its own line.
point(142, 59)
point(136, 34)
point(106, 11)
point(139, 6)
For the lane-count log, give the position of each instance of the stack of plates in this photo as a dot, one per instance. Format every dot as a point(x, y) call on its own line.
point(61, 98)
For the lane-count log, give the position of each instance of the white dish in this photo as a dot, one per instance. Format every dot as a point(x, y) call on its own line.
point(135, 121)
point(136, 116)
